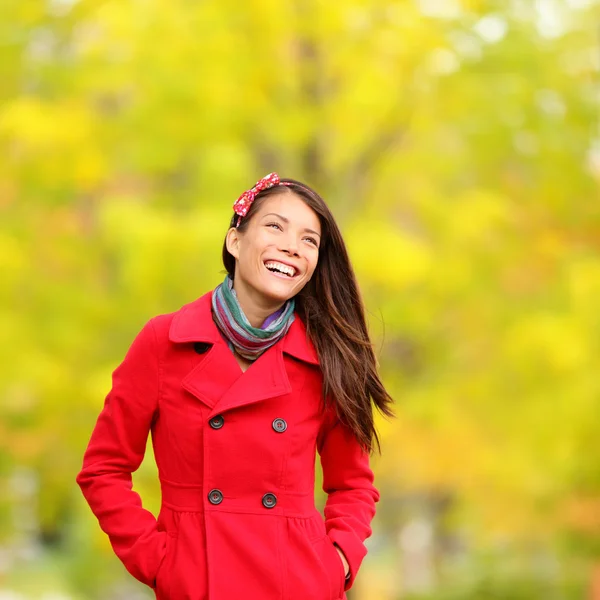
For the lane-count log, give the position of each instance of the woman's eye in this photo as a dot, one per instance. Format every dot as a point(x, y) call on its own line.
point(274, 225)
point(312, 241)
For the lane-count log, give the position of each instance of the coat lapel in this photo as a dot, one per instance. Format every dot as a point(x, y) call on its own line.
point(217, 380)
point(213, 376)
point(265, 378)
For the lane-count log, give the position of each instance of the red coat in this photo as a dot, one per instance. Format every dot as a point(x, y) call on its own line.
point(236, 461)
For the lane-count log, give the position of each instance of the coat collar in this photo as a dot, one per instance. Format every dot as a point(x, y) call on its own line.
point(193, 322)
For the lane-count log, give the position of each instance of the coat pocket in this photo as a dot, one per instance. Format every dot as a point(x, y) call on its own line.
point(162, 584)
point(332, 564)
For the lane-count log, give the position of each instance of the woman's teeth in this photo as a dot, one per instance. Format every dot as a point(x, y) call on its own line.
point(281, 268)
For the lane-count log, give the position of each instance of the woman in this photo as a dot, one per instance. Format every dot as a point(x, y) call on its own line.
point(240, 388)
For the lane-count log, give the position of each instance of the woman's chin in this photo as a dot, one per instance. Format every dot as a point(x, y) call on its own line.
point(278, 293)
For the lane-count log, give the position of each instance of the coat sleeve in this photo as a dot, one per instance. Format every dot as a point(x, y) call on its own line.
point(351, 495)
point(115, 450)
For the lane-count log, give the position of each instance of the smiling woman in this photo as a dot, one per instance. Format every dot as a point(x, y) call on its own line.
point(240, 389)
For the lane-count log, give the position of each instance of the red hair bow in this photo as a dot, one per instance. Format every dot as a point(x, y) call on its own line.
point(242, 205)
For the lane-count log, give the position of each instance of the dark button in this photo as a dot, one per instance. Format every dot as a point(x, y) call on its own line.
point(201, 347)
point(279, 425)
point(215, 496)
point(217, 422)
point(269, 500)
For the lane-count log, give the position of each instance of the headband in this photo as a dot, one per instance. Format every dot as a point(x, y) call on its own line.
point(242, 205)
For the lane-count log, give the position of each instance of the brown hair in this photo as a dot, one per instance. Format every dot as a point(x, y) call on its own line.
point(331, 307)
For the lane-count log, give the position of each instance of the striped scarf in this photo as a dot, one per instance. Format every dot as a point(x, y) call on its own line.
point(249, 342)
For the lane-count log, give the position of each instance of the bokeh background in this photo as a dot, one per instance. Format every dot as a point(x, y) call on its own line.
point(458, 145)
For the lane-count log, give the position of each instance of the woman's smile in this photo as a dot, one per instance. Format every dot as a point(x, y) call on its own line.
point(281, 269)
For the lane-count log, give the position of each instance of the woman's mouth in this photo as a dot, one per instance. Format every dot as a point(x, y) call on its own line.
point(280, 270)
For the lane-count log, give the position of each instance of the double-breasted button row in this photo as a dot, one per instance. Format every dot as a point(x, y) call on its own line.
point(216, 497)
point(279, 425)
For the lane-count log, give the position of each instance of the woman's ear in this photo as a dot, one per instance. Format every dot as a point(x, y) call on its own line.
point(232, 242)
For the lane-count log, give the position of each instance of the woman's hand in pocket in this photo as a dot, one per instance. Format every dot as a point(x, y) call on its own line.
point(344, 561)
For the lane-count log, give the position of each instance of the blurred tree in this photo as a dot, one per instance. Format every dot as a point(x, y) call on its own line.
point(458, 143)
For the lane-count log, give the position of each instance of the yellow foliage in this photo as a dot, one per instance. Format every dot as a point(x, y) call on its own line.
point(387, 256)
point(548, 342)
point(57, 137)
point(455, 165)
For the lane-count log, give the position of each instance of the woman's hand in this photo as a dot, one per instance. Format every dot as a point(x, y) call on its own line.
point(346, 565)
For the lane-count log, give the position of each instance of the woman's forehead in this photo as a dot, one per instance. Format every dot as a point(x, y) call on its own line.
point(292, 208)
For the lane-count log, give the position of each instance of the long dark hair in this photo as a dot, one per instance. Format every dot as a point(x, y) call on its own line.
point(331, 307)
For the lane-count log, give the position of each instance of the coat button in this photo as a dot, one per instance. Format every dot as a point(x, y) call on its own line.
point(201, 347)
point(269, 500)
point(215, 496)
point(279, 425)
point(217, 422)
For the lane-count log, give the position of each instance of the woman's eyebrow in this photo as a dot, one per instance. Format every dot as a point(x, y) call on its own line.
point(286, 220)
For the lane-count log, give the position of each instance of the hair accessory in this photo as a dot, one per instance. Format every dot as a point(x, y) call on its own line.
point(242, 205)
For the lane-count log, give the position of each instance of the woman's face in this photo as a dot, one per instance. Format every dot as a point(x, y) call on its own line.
point(277, 254)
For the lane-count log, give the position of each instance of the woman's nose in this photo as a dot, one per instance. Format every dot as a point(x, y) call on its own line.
point(290, 245)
